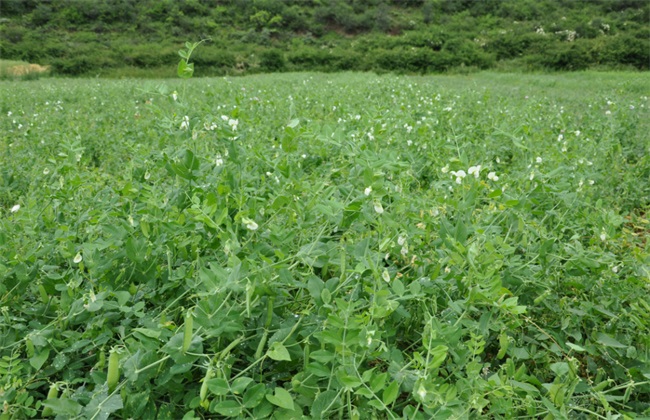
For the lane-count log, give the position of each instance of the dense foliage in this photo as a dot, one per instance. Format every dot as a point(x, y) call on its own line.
point(416, 36)
point(314, 246)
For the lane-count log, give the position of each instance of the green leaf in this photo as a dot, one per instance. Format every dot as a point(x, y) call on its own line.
point(185, 70)
point(524, 387)
point(254, 396)
point(315, 286)
point(240, 384)
point(147, 332)
point(437, 355)
point(228, 408)
point(326, 296)
point(348, 381)
point(575, 347)
point(323, 356)
point(609, 341)
point(398, 287)
point(390, 393)
point(218, 386)
point(63, 406)
point(277, 351)
point(324, 403)
point(39, 359)
point(281, 398)
point(102, 406)
point(377, 383)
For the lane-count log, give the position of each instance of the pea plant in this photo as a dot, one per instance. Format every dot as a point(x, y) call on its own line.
point(325, 246)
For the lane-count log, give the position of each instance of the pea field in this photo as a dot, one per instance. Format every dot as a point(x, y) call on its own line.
point(326, 246)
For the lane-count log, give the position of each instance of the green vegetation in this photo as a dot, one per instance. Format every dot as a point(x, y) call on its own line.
point(141, 37)
point(325, 246)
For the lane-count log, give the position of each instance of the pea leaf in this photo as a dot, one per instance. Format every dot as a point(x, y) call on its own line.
point(281, 398)
point(277, 351)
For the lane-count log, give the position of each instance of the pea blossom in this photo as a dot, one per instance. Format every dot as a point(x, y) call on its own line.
point(185, 124)
point(15, 208)
point(459, 175)
point(475, 170)
point(250, 224)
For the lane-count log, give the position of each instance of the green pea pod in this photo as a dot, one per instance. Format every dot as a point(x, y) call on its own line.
point(51, 394)
point(113, 374)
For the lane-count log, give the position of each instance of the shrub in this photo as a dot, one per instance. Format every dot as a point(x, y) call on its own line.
point(272, 60)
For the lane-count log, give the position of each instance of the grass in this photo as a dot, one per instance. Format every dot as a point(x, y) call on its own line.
point(326, 246)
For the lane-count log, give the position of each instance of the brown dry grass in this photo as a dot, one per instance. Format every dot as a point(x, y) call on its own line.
point(24, 69)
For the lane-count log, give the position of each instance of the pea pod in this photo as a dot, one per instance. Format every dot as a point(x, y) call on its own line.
point(187, 333)
point(204, 386)
point(113, 374)
point(51, 394)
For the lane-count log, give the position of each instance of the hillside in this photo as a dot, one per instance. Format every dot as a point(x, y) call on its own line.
point(415, 36)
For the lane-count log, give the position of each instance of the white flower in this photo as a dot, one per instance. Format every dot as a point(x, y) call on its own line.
point(538, 160)
point(185, 124)
point(175, 95)
point(250, 224)
point(577, 132)
point(46, 171)
point(233, 123)
point(459, 175)
point(603, 236)
point(475, 170)
point(444, 169)
point(9, 114)
point(225, 117)
point(401, 240)
point(404, 250)
point(378, 207)
point(386, 276)
point(422, 393)
point(409, 142)
point(77, 258)
point(532, 176)
point(608, 112)
point(219, 160)
point(493, 176)
point(367, 191)
point(592, 182)
point(615, 269)
point(357, 117)
point(15, 208)
point(560, 137)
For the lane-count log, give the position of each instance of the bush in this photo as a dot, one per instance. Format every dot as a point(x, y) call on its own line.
point(310, 58)
point(568, 56)
point(272, 60)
